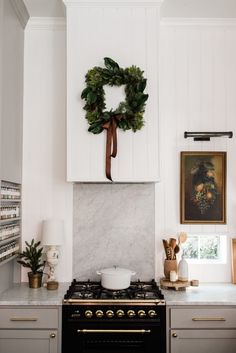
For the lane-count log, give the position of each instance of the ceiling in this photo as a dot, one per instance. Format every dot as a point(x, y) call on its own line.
point(45, 8)
point(199, 8)
point(170, 8)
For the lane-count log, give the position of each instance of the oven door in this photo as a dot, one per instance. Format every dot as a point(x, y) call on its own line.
point(115, 337)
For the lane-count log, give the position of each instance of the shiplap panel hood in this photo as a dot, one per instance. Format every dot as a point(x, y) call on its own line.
point(128, 32)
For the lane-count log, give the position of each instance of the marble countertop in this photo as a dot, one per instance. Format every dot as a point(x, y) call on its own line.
point(205, 294)
point(21, 294)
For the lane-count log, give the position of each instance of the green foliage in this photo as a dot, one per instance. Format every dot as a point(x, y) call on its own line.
point(31, 257)
point(129, 114)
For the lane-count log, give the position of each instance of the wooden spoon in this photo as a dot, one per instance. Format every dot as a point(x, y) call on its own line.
point(172, 242)
point(182, 237)
point(176, 250)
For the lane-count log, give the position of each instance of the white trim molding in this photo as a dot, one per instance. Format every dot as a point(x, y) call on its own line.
point(112, 3)
point(181, 21)
point(21, 11)
point(47, 23)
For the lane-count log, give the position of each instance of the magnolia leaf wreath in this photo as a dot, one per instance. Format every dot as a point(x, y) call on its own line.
point(128, 115)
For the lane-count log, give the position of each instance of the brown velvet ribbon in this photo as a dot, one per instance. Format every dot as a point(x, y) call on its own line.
point(111, 144)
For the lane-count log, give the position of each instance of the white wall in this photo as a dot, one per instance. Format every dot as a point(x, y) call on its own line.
point(197, 93)
point(45, 191)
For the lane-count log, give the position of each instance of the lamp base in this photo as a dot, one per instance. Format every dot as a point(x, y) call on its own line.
point(52, 285)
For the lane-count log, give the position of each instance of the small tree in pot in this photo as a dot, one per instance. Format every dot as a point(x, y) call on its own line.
point(31, 257)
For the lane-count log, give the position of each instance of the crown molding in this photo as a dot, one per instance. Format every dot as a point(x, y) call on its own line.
point(111, 3)
point(21, 11)
point(208, 22)
point(47, 23)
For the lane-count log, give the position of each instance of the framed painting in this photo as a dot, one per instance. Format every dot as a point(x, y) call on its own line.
point(203, 187)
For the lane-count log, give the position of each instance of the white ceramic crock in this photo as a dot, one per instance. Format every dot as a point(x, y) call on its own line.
point(115, 278)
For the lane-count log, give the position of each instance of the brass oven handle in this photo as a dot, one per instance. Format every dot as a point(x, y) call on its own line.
point(112, 331)
point(208, 319)
point(23, 319)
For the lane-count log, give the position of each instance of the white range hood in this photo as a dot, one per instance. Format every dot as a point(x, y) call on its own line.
point(127, 32)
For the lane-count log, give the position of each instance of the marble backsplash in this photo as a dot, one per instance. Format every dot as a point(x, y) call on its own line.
point(113, 224)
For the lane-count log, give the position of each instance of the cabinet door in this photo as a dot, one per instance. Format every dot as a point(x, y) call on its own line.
point(204, 341)
point(30, 341)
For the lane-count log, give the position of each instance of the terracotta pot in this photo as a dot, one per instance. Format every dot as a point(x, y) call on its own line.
point(169, 265)
point(35, 279)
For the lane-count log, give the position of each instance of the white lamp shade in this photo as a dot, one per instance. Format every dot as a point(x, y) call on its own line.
point(52, 232)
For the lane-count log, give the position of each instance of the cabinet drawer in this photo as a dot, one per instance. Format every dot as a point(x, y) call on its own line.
point(28, 318)
point(203, 318)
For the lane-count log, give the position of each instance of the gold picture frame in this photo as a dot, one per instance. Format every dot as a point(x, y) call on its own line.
point(203, 187)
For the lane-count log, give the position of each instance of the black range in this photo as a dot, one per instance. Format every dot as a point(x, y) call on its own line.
point(99, 320)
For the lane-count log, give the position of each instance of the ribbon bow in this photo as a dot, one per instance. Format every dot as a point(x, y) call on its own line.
point(111, 144)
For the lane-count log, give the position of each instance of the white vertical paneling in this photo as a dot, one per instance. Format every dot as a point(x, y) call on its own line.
point(230, 72)
point(129, 35)
point(45, 193)
point(197, 93)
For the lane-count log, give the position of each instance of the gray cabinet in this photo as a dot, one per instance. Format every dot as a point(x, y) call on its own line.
point(30, 341)
point(30, 329)
point(202, 329)
point(204, 341)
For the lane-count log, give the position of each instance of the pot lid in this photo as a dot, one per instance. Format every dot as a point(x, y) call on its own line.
point(115, 270)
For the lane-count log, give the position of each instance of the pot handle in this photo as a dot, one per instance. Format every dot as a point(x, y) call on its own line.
point(98, 272)
point(133, 273)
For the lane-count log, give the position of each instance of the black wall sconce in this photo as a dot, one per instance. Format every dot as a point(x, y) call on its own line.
point(206, 136)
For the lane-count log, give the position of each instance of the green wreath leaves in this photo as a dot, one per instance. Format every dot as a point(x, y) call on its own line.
point(129, 114)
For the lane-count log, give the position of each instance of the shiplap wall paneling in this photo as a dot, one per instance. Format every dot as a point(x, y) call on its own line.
point(129, 35)
point(197, 93)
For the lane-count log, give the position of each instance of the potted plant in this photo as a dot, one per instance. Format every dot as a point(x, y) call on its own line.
point(31, 257)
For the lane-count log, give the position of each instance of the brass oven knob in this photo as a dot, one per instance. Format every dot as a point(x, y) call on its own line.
point(110, 313)
point(120, 313)
point(99, 313)
point(152, 313)
point(141, 313)
point(131, 313)
point(88, 314)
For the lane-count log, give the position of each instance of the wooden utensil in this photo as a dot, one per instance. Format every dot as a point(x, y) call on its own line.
point(176, 249)
point(166, 245)
point(182, 237)
point(172, 242)
point(169, 253)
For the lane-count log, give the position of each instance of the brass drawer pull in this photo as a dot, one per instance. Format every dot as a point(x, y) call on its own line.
point(208, 319)
point(113, 331)
point(52, 335)
point(23, 319)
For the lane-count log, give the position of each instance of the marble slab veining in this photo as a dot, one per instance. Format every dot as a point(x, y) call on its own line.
point(205, 294)
point(21, 294)
point(114, 224)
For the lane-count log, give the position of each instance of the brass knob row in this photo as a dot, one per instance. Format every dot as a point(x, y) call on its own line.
point(120, 313)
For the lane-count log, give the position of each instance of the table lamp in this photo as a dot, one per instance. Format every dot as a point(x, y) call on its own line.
point(52, 236)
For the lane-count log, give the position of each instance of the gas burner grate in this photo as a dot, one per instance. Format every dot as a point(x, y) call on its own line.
point(138, 290)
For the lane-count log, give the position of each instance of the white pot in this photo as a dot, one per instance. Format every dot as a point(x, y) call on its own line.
point(115, 278)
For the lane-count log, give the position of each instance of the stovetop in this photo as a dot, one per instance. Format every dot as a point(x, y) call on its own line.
point(93, 291)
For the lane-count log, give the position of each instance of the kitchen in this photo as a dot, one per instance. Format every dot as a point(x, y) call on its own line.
point(196, 56)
